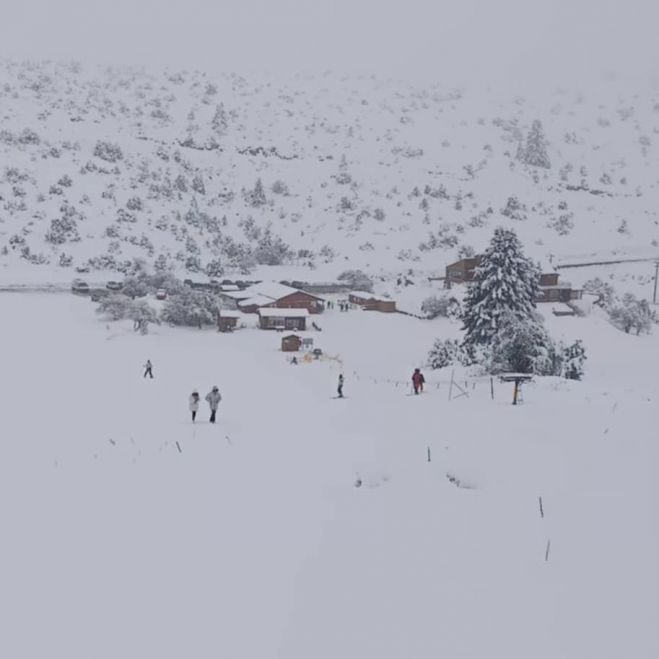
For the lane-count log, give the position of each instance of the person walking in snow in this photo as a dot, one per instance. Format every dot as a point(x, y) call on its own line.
point(339, 389)
point(417, 381)
point(148, 369)
point(213, 399)
point(194, 404)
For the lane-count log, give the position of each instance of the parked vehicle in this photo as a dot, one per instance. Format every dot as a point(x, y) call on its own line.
point(114, 286)
point(80, 286)
point(161, 294)
point(82, 268)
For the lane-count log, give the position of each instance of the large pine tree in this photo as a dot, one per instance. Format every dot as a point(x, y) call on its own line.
point(534, 153)
point(505, 282)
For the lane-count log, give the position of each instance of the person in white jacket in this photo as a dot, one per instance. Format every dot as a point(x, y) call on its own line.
point(194, 404)
point(213, 399)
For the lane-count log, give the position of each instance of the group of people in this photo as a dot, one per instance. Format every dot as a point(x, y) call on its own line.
point(213, 398)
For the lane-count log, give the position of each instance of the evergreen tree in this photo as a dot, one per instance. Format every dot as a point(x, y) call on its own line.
point(444, 353)
point(522, 345)
point(505, 281)
point(534, 152)
point(573, 358)
point(256, 197)
point(219, 122)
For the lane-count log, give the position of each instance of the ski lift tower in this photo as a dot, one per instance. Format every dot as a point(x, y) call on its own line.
point(518, 379)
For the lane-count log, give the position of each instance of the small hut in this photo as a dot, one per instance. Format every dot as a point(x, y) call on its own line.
point(227, 321)
point(291, 343)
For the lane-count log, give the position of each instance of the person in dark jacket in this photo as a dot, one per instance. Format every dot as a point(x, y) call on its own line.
point(339, 389)
point(417, 381)
point(148, 369)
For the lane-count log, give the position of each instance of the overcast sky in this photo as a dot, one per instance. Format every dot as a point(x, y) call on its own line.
point(441, 39)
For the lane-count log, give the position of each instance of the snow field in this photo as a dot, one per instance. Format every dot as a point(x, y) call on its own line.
point(255, 541)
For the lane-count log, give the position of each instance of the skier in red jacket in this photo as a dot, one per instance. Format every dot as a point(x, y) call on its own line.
point(417, 381)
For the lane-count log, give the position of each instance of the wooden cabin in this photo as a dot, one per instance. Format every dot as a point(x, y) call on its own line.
point(370, 302)
point(283, 319)
point(291, 343)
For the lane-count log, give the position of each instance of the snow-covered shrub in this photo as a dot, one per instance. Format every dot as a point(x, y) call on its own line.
point(356, 279)
point(574, 357)
point(28, 136)
point(605, 292)
point(562, 224)
point(115, 307)
point(191, 308)
point(514, 209)
point(135, 287)
point(279, 187)
point(63, 229)
point(272, 250)
point(108, 151)
point(631, 313)
point(445, 352)
point(181, 183)
point(135, 204)
point(119, 307)
point(65, 260)
point(214, 268)
point(437, 306)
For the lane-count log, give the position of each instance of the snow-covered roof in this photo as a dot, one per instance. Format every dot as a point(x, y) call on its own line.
point(559, 286)
point(230, 314)
point(271, 312)
point(270, 289)
point(229, 288)
point(273, 290)
point(370, 296)
point(235, 295)
point(256, 301)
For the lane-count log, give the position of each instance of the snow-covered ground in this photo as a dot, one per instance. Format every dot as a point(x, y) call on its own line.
point(301, 526)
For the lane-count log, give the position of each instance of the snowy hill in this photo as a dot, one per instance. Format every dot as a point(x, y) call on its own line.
point(221, 174)
point(302, 526)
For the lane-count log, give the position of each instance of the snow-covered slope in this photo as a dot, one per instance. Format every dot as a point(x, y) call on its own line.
point(302, 526)
point(355, 171)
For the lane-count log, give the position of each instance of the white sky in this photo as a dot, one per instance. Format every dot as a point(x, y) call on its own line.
point(564, 40)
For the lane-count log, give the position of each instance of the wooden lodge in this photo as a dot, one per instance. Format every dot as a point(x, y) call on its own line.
point(370, 302)
point(551, 289)
point(274, 295)
point(283, 319)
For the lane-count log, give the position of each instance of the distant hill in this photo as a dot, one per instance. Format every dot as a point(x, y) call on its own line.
point(213, 175)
